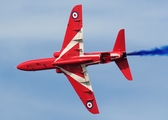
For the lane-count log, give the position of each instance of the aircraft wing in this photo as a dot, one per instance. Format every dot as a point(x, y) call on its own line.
point(73, 40)
point(79, 79)
point(77, 74)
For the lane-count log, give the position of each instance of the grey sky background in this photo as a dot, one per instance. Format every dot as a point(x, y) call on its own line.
point(35, 29)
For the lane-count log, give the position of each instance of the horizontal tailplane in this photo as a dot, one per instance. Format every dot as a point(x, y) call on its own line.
point(124, 67)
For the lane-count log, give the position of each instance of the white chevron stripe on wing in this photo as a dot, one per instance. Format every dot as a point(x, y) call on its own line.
point(77, 39)
point(84, 81)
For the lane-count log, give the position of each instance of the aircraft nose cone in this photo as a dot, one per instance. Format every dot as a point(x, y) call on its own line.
point(20, 67)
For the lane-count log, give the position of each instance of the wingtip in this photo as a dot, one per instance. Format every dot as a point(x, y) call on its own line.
point(78, 5)
point(92, 106)
point(95, 111)
point(129, 77)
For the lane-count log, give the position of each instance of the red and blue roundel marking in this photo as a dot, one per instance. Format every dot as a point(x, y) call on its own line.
point(89, 104)
point(74, 15)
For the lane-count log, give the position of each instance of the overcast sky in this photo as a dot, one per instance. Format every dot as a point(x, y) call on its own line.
point(31, 29)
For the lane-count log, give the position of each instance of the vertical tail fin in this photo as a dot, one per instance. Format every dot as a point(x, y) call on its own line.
point(119, 45)
point(122, 62)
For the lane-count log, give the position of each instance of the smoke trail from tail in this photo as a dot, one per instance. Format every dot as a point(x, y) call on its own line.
point(162, 51)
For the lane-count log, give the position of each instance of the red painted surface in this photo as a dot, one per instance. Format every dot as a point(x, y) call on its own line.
point(73, 61)
point(38, 64)
point(56, 54)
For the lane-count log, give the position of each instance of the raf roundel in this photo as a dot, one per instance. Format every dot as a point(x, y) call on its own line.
point(89, 105)
point(74, 15)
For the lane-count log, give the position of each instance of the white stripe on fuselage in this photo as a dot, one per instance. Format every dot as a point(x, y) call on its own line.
point(115, 54)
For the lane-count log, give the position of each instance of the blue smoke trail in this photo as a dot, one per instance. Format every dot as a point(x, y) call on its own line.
point(162, 51)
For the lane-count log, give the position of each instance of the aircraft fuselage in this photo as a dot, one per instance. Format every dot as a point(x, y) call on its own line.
point(87, 59)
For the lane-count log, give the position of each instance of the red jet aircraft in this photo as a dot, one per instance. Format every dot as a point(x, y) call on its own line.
point(72, 61)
